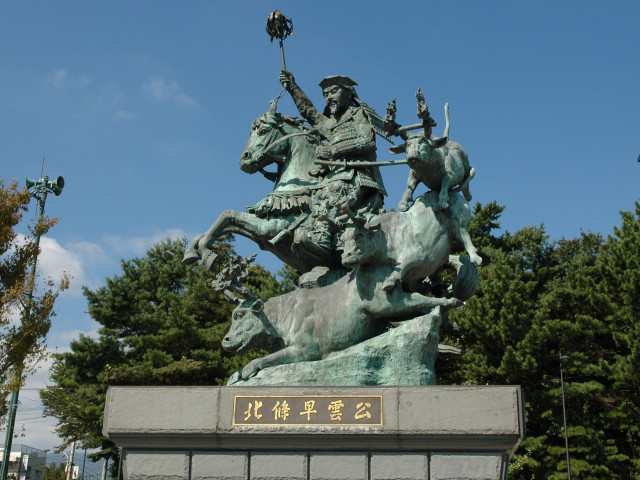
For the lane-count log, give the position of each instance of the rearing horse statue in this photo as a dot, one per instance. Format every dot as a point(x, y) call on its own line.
point(275, 222)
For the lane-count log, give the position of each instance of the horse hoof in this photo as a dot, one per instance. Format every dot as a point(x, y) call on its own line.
point(190, 258)
point(208, 259)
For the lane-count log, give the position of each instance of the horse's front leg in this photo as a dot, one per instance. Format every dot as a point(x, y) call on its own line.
point(200, 247)
point(250, 226)
point(191, 254)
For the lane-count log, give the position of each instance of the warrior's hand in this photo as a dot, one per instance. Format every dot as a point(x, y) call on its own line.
point(286, 79)
point(323, 152)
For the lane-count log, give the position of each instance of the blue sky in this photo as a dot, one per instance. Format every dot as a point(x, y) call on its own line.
point(144, 108)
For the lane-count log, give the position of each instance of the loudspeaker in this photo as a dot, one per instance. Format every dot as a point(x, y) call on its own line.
point(56, 185)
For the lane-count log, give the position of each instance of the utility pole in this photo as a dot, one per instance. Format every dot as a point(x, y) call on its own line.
point(104, 469)
point(564, 416)
point(84, 463)
point(41, 188)
point(70, 466)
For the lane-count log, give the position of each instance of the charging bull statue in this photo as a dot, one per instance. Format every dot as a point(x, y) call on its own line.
point(416, 243)
point(439, 163)
point(307, 324)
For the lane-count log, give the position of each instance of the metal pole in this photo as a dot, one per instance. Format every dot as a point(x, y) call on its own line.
point(42, 188)
point(104, 469)
point(564, 416)
point(284, 65)
point(13, 406)
point(70, 469)
point(84, 463)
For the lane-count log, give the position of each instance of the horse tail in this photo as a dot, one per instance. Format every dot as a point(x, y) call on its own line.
point(466, 282)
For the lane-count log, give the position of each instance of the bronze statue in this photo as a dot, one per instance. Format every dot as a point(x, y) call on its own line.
point(363, 270)
point(349, 125)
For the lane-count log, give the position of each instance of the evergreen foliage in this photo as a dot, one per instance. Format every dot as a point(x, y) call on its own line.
point(54, 472)
point(537, 298)
point(161, 324)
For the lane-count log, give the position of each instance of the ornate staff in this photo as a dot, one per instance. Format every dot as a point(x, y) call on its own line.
point(280, 27)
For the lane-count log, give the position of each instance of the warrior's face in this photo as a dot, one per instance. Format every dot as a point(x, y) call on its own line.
point(338, 99)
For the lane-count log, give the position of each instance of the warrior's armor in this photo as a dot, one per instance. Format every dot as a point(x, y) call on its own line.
point(352, 138)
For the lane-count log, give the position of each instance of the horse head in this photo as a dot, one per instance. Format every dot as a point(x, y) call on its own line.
point(266, 144)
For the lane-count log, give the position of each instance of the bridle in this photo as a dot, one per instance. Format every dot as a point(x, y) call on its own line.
point(270, 144)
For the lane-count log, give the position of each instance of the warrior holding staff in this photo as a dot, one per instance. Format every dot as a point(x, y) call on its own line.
point(350, 126)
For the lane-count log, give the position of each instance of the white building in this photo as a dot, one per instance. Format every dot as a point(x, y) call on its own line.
point(25, 463)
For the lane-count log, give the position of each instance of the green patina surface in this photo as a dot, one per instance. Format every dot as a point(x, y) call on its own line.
point(371, 297)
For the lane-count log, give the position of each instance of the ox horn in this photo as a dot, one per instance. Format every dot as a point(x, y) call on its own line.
point(357, 219)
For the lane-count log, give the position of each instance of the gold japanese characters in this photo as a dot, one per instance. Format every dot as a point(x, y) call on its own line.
point(342, 410)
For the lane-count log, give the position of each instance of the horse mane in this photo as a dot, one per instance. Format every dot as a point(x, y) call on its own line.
point(295, 122)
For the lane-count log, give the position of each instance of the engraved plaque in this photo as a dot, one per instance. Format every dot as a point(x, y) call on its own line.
point(340, 410)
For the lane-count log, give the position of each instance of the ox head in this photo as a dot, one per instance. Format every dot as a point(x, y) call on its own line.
point(419, 147)
point(358, 239)
point(261, 148)
point(250, 328)
point(360, 244)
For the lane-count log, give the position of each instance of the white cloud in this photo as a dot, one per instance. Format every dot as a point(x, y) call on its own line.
point(54, 261)
point(158, 90)
point(139, 245)
point(85, 261)
point(76, 259)
point(124, 115)
point(31, 427)
point(89, 252)
point(60, 78)
point(109, 96)
point(65, 337)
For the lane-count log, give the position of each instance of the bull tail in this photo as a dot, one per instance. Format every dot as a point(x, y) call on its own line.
point(447, 122)
point(464, 186)
point(466, 282)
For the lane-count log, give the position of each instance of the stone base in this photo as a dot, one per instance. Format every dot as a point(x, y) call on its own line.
point(197, 433)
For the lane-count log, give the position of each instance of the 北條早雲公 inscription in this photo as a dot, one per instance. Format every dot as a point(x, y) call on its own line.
point(342, 410)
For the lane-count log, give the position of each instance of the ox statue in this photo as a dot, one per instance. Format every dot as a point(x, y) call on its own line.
point(438, 163)
point(307, 324)
point(416, 242)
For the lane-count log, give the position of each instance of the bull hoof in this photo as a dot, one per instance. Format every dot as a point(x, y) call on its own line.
point(251, 369)
point(454, 303)
point(235, 378)
point(476, 259)
point(390, 284)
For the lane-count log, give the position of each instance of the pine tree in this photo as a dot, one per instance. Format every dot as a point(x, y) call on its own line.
point(535, 299)
point(54, 472)
point(162, 324)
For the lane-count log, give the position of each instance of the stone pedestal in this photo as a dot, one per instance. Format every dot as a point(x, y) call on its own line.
point(207, 433)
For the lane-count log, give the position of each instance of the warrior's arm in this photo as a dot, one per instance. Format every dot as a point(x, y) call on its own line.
point(304, 105)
